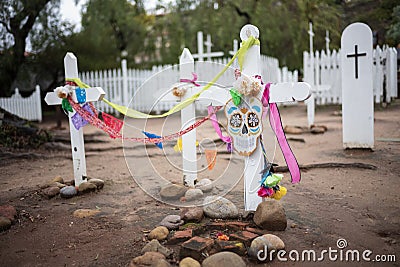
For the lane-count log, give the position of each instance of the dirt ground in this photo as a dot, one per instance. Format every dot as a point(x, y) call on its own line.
point(359, 205)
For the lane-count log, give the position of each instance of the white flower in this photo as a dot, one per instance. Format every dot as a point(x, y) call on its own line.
point(63, 91)
point(247, 86)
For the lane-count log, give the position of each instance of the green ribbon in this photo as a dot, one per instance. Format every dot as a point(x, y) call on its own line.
point(236, 97)
point(66, 105)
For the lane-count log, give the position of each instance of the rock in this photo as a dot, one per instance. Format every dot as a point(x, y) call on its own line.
point(219, 208)
point(189, 262)
point(8, 211)
point(155, 246)
point(58, 179)
point(172, 222)
point(274, 242)
point(173, 191)
point(83, 213)
point(224, 259)
point(68, 191)
point(205, 185)
point(195, 214)
point(161, 263)
point(5, 223)
point(193, 194)
point(160, 233)
point(97, 182)
point(86, 187)
point(148, 259)
point(51, 191)
point(266, 243)
point(59, 185)
point(270, 215)
point(318, 129)
point(293, 130)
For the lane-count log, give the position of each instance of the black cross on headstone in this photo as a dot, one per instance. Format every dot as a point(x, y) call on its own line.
point(356, 55)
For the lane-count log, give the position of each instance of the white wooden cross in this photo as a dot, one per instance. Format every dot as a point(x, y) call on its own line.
point(313, 78)
point(77, 143)
point(279, 92)
point(200, 48)
point(189, 155)
point(327, 41)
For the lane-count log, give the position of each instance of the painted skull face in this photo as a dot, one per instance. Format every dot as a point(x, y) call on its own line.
point(244, 124)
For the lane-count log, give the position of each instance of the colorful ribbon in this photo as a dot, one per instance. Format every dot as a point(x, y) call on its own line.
point(151, 135)
point(240, 54)
point(77, 119)
point(211, 157)
point(95, 121)
point(214, 121)
point(276, 124)
point(191, 81)
point(236, 96)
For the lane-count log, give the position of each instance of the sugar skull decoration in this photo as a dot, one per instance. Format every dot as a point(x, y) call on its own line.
point(244, 114)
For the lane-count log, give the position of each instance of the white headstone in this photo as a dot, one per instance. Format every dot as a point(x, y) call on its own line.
point(357, 91)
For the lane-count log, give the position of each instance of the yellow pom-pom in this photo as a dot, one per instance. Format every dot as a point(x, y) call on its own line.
point(279, 194)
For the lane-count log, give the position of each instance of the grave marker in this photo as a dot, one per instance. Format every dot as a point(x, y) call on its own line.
point(200, 48)
point(91, 95)
point(216, 96)
point(279, 92)
point(357, 90)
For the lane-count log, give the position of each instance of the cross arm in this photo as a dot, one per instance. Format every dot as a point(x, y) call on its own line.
point(289, 92)
point(92, 94)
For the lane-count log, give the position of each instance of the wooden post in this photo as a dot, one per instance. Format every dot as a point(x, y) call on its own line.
point(125, 95)
point(189, 156)
point(77, 143)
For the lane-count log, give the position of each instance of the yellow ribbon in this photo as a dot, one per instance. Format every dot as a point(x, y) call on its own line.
point(140, 115)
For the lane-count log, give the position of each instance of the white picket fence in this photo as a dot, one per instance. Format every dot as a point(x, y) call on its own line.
point(29, 108)
point(323, 72)
point(134, 87)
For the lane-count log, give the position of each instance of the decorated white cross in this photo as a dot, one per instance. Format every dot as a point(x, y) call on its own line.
point(215, 96)
point(200, 48)
point(187, 89)
point(83, 96)
point(279, 93)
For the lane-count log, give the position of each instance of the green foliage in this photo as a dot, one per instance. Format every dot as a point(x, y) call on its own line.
point(38, 23)
point(393, 34)
point(110, 29)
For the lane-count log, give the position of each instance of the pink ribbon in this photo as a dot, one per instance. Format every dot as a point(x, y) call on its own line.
point(191, 81)
point(214, 121)
point(276, 124)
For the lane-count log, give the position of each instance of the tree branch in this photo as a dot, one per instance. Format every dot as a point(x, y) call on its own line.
point(358, 165)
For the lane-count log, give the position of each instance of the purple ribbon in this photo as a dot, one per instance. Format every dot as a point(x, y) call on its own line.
point(276, 124)
point(77, 119)
point(191, 81)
